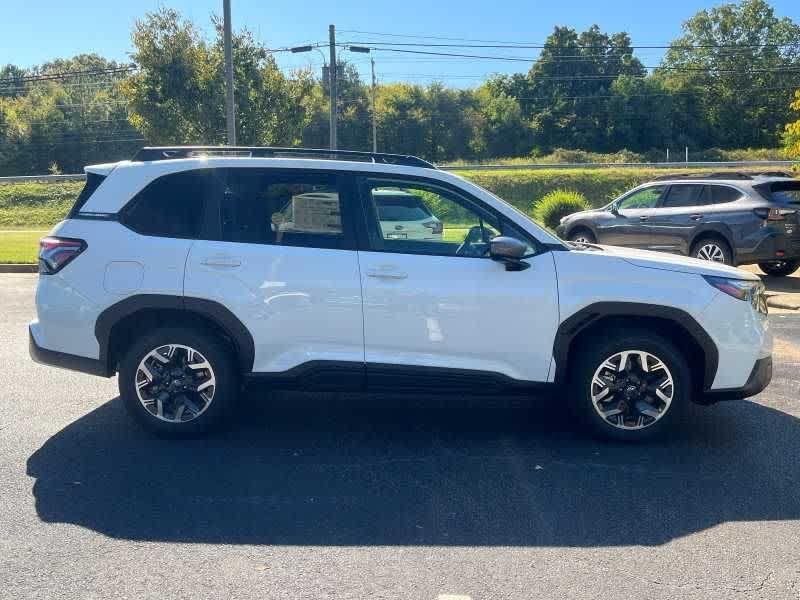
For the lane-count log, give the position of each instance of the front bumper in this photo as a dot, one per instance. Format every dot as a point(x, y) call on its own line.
point(43, 356)
point(759, 379)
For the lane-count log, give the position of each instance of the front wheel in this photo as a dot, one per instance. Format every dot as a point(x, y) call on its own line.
point(178, 381)
point(779, 268)
point(631, 388)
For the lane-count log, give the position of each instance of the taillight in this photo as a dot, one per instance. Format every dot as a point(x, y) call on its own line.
point(774, 214)
point(434, 226)
point(55, 253)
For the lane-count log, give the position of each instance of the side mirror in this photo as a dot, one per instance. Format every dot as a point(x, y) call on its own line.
point(613, 208)
point(510, 251)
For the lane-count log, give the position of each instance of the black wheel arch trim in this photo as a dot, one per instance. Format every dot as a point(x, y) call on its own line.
point(208, 309)
point(571, 327)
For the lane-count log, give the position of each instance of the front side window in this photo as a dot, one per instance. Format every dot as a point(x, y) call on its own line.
point(684, 195)
point(646, 198)
point(260, 206)
point(170, 206)
point(420, 218)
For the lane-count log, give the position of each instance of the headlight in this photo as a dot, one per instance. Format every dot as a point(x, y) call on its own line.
point(741, 289)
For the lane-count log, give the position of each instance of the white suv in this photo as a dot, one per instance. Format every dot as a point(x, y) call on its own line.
point(190, 271)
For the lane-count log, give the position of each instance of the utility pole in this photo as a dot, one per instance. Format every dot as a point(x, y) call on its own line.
point(332, 75)
point(230, 115)
point(374, 111)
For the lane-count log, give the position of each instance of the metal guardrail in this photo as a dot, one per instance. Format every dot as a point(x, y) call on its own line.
point(536, 166)
point(24, 178)
point(651, 165)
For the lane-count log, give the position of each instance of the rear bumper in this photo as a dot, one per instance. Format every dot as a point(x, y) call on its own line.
point(778, 245)
point(43, 356)
point(759, 379)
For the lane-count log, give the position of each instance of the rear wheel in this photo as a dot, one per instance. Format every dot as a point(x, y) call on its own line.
point(582, 236)
point(713, 249)
point(779, 268)
point(631, 388)
point(177, 381)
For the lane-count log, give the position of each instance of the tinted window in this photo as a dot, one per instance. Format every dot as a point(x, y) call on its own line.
point(170, 206)
point(272, 207)
point(646, 198)
point(785, 191)
point(399, 207)
point(721, 194)
point(684, 195)
point(93, 181)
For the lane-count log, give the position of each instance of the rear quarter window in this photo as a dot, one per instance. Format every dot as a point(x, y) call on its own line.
point(170, 206)
point(93, 181)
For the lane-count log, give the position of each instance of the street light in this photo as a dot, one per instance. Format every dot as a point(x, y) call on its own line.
point(331, 87)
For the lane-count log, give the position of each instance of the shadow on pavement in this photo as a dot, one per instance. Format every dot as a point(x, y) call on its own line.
point(344, 470)
point(780, 285)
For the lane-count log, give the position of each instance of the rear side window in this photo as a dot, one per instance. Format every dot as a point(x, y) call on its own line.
point(170, 206)
point(261, 206)
point(93, 181)
point(721, 194)
point(684, 195)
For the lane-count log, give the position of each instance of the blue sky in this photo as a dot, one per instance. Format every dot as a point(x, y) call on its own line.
point(37, 30)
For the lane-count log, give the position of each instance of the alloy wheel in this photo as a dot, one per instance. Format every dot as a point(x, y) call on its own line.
point(632, 389)
point(712, 252)
point(175, 383)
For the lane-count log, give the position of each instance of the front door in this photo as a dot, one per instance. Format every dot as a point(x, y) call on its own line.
point(442, 306)
point(629, 225)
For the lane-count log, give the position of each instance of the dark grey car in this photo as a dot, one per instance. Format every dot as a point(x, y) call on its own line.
point(734, 218)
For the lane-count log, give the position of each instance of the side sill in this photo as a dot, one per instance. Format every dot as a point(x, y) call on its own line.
point(62, 360)
point(391, 378)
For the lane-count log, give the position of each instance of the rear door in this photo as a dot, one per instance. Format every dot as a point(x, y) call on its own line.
point(283, 260)
point(630, 225)
point(679, 213)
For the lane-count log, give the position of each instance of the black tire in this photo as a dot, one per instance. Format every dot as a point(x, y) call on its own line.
point(712, 241)
point(225, 391)
point(779, 268)
point(582, 234)
point(591, 354)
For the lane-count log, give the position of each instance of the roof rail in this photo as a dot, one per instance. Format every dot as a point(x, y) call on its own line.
point(173, 152)
point(716, 175)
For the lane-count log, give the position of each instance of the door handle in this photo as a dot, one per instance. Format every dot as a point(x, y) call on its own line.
point(643, 218)
point(221, 261)
point(386, 274)
point(695, 217)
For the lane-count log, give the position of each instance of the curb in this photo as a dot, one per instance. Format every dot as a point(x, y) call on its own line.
point(777, 303)
point(13, 268)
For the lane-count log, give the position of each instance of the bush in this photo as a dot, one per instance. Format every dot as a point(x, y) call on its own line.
point(555, 205)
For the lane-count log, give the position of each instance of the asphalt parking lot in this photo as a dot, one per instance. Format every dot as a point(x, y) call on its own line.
point(333, 496)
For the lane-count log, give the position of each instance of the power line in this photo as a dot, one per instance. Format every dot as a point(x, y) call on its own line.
point(65, 74)
point(512, 45)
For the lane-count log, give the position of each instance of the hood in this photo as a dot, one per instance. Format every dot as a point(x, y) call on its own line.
point(581, 213)
point(673, 262)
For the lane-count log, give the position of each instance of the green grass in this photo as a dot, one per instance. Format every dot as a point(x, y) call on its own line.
point(20, 246)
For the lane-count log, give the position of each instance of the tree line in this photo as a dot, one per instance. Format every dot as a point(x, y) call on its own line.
point(727, 82)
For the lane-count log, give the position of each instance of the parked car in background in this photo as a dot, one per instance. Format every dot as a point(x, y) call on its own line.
point(404, 216)
point(732, 218)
